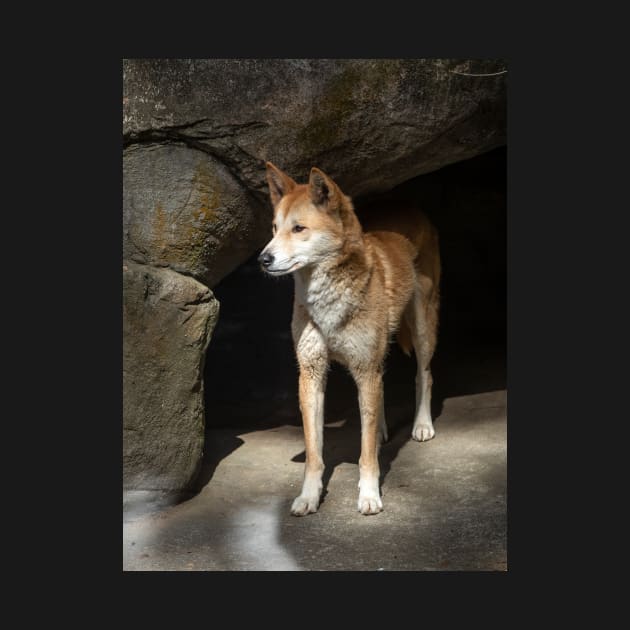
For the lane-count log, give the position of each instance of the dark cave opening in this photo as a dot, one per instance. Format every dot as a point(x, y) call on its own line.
point(251, 371)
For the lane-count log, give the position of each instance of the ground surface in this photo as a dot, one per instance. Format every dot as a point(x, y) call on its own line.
point(444, 500)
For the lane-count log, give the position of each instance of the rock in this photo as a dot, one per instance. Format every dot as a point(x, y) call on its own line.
point(183, 209)
point(168, 319)
point(371, 124)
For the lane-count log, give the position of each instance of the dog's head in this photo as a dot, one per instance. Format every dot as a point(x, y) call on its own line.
point(307, 221)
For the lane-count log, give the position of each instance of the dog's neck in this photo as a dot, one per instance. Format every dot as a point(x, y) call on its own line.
point(333, 290)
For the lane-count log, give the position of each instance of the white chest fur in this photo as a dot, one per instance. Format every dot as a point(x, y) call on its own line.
point(327, 303)
point(334, 306)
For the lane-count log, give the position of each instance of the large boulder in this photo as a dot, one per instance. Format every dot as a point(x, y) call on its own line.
point(372, 124)
point(183, 209)
point(167, 323)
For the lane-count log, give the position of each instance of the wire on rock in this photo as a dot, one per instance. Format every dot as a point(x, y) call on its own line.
point(489, 74)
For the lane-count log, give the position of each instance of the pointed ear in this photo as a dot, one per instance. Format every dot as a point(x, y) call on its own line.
point(323, 191)
point(279, 183)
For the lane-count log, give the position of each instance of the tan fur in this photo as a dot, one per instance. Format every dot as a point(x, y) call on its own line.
point(355, 289)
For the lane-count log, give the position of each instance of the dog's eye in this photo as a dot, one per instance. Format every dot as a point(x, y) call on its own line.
point(298, 228)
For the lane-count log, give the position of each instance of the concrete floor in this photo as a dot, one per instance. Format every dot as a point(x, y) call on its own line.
point(444, 500)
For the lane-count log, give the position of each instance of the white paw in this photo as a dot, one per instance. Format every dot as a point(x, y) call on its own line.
point(370, 504)
point(423, 432)
point(304, 505)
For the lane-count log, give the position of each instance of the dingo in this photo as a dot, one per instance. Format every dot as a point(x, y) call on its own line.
point(353, 290)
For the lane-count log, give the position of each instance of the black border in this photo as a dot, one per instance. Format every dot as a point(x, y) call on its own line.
point(87, 309)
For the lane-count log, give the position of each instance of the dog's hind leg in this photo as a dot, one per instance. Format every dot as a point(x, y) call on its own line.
point(423, 324)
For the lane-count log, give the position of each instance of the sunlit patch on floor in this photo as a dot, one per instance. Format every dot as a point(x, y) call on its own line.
point(255, 538)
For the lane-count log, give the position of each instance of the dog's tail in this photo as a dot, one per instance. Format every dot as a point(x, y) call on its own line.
point(404, 338)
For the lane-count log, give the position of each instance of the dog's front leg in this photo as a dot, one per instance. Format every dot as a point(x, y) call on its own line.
point(312, 385)
point(312, 357)
point(370, 386)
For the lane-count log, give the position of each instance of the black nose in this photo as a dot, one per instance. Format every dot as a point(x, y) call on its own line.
point(265, 259)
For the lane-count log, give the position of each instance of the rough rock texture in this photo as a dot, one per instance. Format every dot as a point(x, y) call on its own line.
point(371, 123)
point(167, 322)
point(183, 209)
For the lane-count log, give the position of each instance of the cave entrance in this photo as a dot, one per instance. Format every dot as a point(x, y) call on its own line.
point(251, 371)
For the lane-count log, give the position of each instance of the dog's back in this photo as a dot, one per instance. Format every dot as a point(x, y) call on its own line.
point(387, 222)
point(408, 221)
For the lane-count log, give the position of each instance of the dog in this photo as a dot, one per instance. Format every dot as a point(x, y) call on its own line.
point(355, 289)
